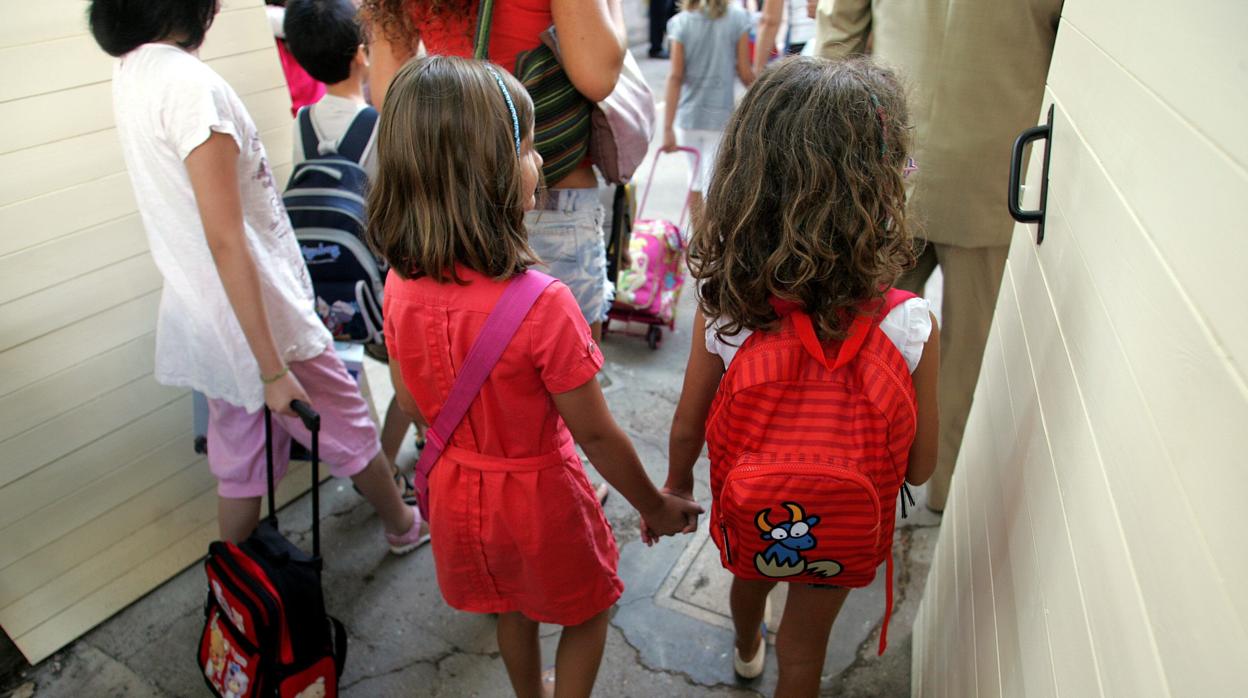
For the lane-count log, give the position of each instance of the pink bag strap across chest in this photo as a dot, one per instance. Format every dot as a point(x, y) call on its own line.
point(499, 329)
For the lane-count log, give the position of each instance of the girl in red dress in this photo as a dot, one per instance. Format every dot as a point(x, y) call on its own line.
point(517, 529)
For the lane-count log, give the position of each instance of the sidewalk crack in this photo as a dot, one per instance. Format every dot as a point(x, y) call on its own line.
point(687, 679)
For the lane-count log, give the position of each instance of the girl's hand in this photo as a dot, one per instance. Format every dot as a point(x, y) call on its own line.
point(649, 537)
point(675, 515)
point(280, 393)
point(669, 142)
point(682, 487)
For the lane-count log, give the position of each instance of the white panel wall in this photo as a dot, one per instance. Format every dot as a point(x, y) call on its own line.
point(1093, 544)
point(101, 495)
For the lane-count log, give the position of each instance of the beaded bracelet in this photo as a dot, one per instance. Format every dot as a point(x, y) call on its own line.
point(274, 379)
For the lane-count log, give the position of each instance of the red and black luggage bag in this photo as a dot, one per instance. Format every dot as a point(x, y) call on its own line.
point(266, 633)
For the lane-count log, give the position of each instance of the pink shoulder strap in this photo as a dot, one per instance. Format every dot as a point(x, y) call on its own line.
point(500, 327)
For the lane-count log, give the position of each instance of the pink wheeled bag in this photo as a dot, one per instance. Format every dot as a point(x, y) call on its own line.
point(646, 291)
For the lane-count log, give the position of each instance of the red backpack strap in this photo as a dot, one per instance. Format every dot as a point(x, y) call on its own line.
point(858, 329)
point(893, 298)
point(888, 602)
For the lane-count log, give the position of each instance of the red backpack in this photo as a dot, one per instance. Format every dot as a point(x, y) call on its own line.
point(809, 445)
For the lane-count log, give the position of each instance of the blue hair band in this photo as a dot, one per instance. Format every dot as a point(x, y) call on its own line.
point(511, 106)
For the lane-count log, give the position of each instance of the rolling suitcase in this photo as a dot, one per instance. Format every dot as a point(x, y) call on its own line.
point(648, 288)
point(266, 633)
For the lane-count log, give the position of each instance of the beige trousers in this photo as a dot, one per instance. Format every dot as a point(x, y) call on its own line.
point(972, 277)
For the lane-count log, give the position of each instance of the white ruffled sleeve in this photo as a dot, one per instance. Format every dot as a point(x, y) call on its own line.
point(726, 349)
point(908, 326)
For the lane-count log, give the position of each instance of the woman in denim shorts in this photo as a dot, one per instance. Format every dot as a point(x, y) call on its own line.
point(565, 230)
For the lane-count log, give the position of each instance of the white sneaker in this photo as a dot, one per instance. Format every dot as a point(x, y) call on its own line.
point(753, 667)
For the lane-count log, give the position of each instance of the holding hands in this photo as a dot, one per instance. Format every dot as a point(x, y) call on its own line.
point(678, 513)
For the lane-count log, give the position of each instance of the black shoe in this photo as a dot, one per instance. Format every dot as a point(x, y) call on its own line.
point(661, 54)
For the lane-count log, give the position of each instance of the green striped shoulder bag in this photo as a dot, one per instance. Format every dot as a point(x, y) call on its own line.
point(561, 115)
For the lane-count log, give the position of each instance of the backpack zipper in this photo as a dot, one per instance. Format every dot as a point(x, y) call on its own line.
point(236, 637)
point(274, 619)
point(268, 595)
point(259, 615)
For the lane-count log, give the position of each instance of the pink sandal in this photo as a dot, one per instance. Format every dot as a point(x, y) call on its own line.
point(415, 537)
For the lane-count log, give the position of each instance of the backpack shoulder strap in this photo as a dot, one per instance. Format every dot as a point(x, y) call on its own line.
point(858, 331)
point(895, 297)
point(481, 37)
point(500, 327)
point(359, 133)
point(311, 142)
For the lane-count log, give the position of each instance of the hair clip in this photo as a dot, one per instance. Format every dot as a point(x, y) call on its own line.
point(511, 106)
point(910, 168)
point(879, 114)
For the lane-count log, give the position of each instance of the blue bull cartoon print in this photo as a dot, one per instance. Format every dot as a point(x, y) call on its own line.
point(789, 539)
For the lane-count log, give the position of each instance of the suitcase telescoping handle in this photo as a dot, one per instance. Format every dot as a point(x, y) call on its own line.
point(693, 173)
point(312, 421)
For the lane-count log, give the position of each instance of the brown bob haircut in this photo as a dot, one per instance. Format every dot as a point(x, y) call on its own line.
point(807, 202)
point(449, 185)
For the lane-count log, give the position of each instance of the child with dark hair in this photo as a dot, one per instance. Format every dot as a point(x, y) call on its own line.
point(236, 318)
point(325, 37)
point(303, 88)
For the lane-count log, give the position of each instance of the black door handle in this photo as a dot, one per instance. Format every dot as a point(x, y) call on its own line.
point(1016, 169)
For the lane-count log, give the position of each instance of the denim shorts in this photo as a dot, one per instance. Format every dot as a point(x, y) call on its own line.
point(565, 230)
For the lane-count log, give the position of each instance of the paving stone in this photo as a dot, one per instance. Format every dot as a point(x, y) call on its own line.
point(146, 623)
point(625, 677)
point(471, 676)
point(86, 671)
point(412, 680)
point(670, 641)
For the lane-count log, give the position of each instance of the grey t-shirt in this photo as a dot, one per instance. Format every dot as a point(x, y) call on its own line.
point(710, 47)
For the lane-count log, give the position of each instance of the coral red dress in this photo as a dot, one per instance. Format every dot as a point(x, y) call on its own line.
point(515, 523)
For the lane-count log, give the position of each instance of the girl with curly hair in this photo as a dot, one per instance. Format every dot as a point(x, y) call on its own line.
point(825, 242)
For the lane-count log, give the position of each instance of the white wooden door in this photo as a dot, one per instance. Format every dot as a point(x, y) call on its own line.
point(1094, 543)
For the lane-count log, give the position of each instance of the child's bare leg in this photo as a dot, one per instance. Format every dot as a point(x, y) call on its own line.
point(522, 655)
point(237, 518)
point(579, 655)
point(748, 600)
point(393, 430)
point(802, 643)
point(376, 483)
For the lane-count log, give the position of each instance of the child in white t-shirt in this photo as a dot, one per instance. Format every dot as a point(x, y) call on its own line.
point(236, 318)
point(325, 38)
point(710, 46)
